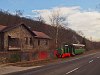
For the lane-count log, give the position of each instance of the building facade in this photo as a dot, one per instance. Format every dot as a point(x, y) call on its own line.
point(20, 37)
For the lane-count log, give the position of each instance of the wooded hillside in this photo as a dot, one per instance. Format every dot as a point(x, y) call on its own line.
point(64, 35)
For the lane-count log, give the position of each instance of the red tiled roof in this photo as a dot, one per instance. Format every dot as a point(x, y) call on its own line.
point(2, 27)
point(41, 35)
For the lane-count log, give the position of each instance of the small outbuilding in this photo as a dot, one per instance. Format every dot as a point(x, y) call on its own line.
point(20, 37)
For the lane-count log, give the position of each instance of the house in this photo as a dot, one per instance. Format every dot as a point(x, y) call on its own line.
point(20, 37)
point(41, 41)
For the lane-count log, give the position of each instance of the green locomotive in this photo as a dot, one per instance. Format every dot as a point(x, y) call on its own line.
point(70, 50)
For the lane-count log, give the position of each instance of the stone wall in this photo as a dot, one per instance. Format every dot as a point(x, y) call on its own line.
point(21, 33)
point(41, 44)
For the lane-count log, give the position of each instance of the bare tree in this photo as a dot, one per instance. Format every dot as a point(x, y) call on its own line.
point(39, 18)
point(75, 39)
point(81, 33)
point(19, 12)
point(56, 19)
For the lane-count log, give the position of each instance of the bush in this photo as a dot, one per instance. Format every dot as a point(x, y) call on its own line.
point(14, 58)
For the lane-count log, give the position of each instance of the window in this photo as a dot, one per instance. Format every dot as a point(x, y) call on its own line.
point(13, 42)
point(31, 41)
point(46, 43)
point(26, 40)
point(38, 42)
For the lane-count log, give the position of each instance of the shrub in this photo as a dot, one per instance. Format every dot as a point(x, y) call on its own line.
point(14, 58)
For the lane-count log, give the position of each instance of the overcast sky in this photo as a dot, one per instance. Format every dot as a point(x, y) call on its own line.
point(82, 15)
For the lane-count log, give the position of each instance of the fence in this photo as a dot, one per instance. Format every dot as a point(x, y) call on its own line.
point(18, 56)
